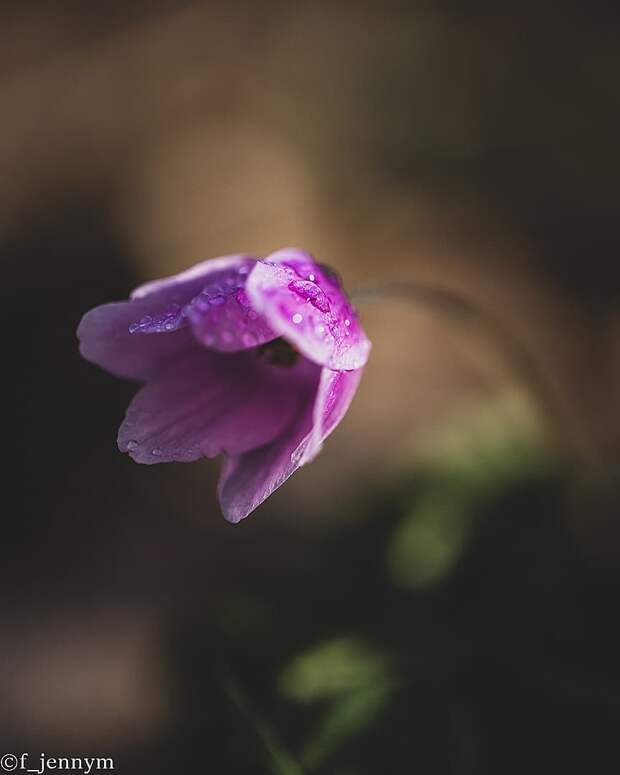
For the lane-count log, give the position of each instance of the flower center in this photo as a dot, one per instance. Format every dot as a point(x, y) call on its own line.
point(278, 352)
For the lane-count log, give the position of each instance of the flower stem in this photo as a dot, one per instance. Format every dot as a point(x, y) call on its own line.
point(560, 419)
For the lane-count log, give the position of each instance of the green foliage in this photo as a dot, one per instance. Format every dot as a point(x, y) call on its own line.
point(440, 629)
point(354, 678)
point(465, 466)
point(333, 668)
point(347, 717)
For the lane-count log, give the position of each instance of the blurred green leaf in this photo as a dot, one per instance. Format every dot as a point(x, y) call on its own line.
point(426, 545)
point(354, 677)
point(465, 464)
point(347, 717)
point(488, 447)
point(332, 668)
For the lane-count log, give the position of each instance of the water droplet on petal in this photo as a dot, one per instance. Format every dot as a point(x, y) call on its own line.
point(297, 318)
point(156, 452)
point(132, 444)
point(298, 453)
point(312, 293)
point(347, 322)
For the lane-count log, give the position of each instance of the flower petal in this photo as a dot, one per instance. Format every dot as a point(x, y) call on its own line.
point(223, 318)
point(304, 302)
point(105, 340)
point(334, 396)
point(248, 479)
point(181, 287)
point(206, 403)
point(210, 296)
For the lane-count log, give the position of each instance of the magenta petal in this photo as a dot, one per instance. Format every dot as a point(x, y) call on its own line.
point(136, 338)
point(105, 340)
point(211, 298)
point(206, 403)
point(248, 479)
point(334, 396)
point(181, 287)
point(303, 302)
point(223, 319)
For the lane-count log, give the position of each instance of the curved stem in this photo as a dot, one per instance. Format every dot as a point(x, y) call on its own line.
point(510, 349)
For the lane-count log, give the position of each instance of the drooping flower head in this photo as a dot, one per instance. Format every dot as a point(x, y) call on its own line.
point(254, 359)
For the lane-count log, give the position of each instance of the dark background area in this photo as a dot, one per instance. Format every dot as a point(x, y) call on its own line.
point(438, 592)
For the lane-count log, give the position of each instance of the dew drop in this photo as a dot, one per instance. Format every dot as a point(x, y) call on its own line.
point(297, 454)
point(156, 452)
point(132, 444)
point(297, 317)
point(312, 293)
point(347, 322)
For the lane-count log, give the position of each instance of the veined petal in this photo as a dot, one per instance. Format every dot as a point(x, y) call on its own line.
point(182, 286)
point(335, 393)
point(207, 403)
point(304, 302)
point(105, 340)
point(210, 298)
point(223, 318)
point(136, 338)
point(248, 479)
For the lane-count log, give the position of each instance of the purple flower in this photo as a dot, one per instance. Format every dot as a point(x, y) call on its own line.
point(254, 359)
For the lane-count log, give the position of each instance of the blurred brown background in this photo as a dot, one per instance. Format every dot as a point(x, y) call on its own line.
point(470, 146)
